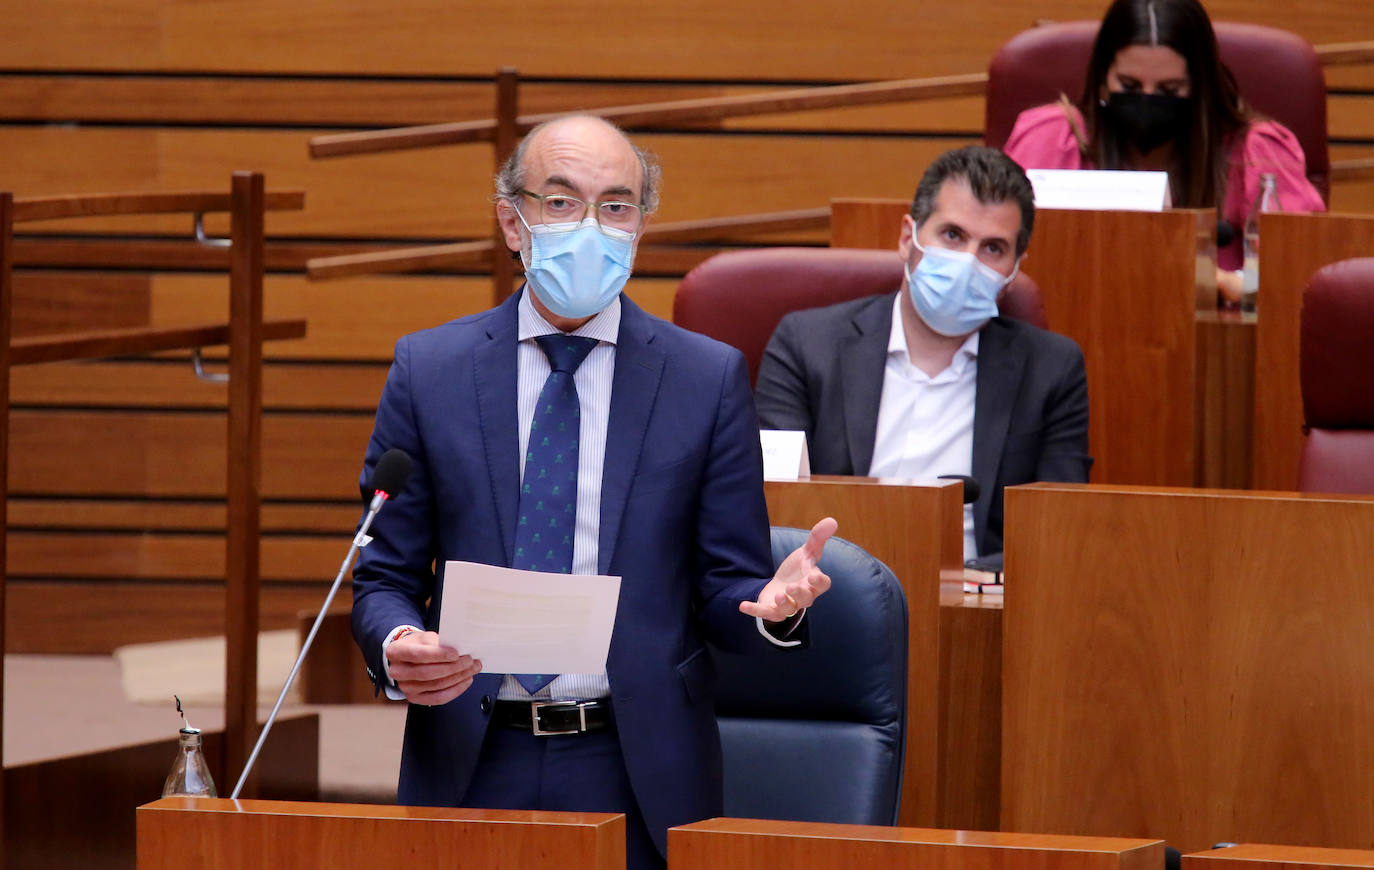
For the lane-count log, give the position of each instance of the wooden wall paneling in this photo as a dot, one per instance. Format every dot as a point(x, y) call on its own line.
point(296, 101)
point(168, 454)
point(171, 383)
point(53, 302)
point(228, 835)
point(813, 846)
point(97, 793)
point(1295, 247)
point(426, 37)
point(98, 616)
point(443, 193)
point(1180, 687)
point(6, 320)
point(29, 514)
point(171, 556)
point(1352, 197)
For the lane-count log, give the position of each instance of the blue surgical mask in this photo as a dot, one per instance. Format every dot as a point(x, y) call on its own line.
point(954, 292)
point(577, 273)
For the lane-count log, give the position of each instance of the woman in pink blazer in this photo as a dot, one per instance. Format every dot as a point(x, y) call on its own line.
point(1156, 96)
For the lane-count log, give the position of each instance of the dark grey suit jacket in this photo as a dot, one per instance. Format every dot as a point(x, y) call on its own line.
point(822, 372)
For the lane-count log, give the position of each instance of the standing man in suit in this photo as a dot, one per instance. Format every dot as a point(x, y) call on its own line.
point(568, 431)
point(929, 380)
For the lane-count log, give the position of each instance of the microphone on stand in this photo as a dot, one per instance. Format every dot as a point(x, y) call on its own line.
point(388, 479)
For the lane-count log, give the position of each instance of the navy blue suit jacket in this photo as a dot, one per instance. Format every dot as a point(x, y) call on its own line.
point(683, 522)
point(822, 372)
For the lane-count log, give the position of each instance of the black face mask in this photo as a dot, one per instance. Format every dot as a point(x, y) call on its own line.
point(1147, 121)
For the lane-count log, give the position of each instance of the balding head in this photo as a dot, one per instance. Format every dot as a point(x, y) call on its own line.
point(586, 132)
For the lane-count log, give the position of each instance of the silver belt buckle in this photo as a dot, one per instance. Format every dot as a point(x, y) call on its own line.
point(536, 706)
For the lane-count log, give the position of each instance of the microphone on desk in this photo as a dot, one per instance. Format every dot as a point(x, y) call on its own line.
point(971, 487)
point(388, 479)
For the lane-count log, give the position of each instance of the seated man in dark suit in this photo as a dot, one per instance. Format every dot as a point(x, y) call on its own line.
point(929, 380)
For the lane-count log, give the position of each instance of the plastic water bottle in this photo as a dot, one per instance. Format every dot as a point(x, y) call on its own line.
point(1267, 201)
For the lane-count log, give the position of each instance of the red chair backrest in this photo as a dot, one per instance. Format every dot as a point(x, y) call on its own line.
point(1336, 364)
point(739, 297)
point(1278, 73)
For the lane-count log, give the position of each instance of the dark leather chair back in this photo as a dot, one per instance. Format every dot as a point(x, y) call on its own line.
point(739, 297)
point(1336, 362)
point(817, 734)
point(1278, 73)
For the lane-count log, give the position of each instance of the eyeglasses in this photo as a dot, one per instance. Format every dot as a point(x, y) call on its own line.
point(562, 213)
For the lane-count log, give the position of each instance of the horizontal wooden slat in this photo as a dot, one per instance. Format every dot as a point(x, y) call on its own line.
point(93, 618)
point(172, 384)
point(305, 102)
point(446, 192)
point(152, 556)
point(769, 40)
point(663, 115)
point(304, 456)
point(1354, 197)
point(153, 515)
point(50, 302)
point(87, 205)
point(137, 340)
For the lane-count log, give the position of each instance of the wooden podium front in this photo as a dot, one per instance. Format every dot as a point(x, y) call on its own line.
point(1137, 291)
point(745, 843)
point(953, 651)
point(1192, 665)
point(1295, 247)
point(219, 834)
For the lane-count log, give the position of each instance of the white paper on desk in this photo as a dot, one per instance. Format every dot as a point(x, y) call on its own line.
point(1098, 189)
point(528, 622)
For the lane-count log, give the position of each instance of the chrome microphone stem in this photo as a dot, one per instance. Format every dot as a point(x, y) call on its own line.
point(360, 540)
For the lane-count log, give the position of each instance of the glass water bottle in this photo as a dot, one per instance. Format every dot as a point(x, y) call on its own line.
point(190, 775)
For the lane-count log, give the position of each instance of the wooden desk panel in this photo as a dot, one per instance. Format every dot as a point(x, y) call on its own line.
point(174, 833)
point(915, 529)
point(1254, 856)
point(717, 843)
point(1188, 664)
point(1295, 247)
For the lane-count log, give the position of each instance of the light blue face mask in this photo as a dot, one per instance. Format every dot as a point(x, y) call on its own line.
point(954, 292)
point(577, 273)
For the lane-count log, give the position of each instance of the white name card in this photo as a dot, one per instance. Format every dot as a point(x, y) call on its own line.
point(784, 454)
point(1100, 189)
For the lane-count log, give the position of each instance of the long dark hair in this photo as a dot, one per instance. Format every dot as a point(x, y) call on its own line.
point(1198, 177)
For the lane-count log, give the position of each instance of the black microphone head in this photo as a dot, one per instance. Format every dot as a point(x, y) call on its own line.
point(391, 472)
point(1226, 233)
point(971, 487)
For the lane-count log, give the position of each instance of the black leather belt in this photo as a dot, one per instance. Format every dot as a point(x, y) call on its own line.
point(552, 718)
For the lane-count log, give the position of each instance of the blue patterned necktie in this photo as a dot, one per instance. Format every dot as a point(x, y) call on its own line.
point(548, 494)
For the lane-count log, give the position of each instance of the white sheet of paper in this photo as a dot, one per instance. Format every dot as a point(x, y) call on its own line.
point(784, 454)
point(528, 622)
point(1100, 189)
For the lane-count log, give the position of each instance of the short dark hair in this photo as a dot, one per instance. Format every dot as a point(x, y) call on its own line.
point(991, 175)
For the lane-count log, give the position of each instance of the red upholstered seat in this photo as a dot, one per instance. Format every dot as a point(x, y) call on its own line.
point(739, 297)
point(1278, 73)
point(1337, 371)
